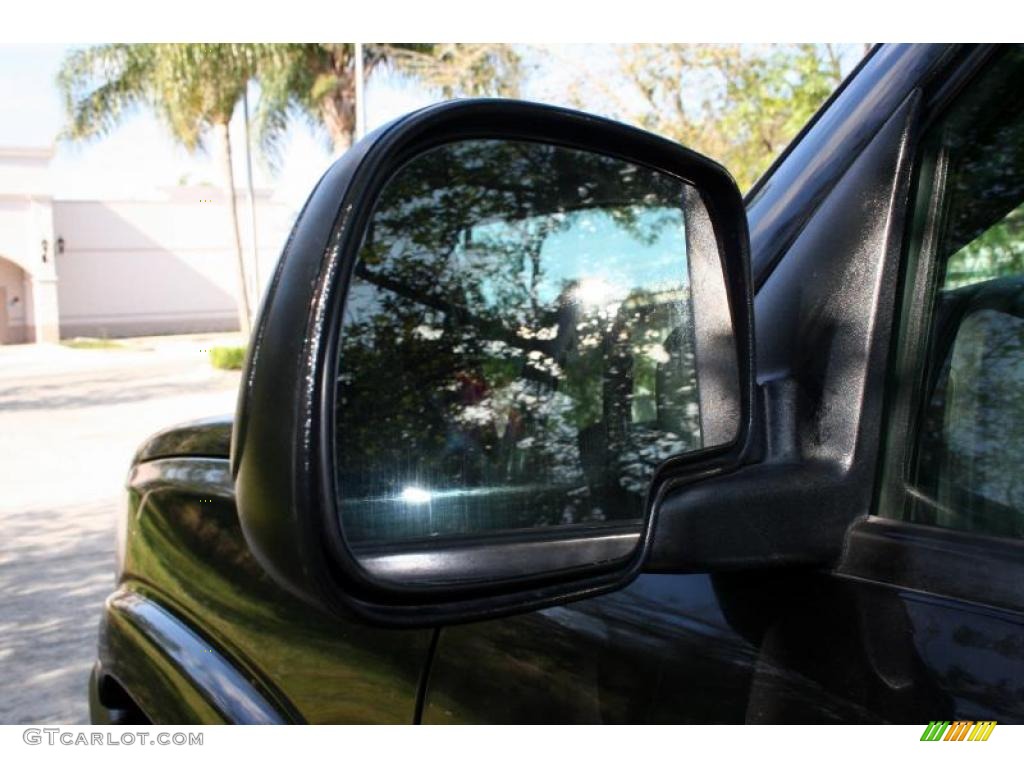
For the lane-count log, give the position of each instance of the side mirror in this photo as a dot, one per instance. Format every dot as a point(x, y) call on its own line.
point(497, 335)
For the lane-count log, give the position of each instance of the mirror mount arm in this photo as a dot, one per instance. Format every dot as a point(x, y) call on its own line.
point(756, 516)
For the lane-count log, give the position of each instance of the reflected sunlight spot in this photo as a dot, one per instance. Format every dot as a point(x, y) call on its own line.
point(594, 292)
point(414, 495)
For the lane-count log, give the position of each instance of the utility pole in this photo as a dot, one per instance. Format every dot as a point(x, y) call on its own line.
point(360, 93)
point(252, 200)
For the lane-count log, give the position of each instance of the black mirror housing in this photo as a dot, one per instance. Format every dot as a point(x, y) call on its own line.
point(283, 442)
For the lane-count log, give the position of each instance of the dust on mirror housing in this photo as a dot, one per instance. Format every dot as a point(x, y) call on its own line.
point(498, 333)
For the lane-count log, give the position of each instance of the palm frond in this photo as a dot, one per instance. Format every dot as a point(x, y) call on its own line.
point(100, 85)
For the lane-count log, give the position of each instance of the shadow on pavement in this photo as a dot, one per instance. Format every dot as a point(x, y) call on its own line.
point(53, 581)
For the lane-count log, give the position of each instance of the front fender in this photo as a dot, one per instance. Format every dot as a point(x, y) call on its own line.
point(172, 673)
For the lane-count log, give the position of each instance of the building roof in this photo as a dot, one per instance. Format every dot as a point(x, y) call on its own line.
point(27, 153)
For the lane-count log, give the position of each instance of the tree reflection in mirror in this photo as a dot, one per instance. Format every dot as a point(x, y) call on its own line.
point(517, 347)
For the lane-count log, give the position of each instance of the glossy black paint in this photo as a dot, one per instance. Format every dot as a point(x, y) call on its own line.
point(205, 437)
point(794, 628)
point(194, 610)
point(173, 653)
point(680, 649)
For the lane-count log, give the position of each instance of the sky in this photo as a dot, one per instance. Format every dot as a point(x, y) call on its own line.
point(139, 157)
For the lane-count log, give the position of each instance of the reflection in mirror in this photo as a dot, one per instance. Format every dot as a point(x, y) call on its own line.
point(518, 344)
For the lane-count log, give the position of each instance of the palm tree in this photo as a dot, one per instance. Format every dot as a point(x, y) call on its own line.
point(193, 88)
point(317, 80)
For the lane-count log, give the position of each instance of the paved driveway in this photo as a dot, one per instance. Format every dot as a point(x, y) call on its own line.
point(70, 420)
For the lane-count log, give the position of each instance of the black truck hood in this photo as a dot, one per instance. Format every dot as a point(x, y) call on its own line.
point(209, 438)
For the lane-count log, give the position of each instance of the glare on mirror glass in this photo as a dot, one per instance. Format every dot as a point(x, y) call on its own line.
point(517, 347)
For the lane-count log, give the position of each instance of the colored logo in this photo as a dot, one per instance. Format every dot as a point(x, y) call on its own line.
point(961, 730)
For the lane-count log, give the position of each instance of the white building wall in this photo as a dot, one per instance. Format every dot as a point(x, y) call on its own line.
point(133, 268)
point(127, 268)
point(15, 230)
point(25, 171)
point(27, 246)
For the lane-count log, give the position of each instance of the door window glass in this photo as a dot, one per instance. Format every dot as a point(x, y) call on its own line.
point(967, 462)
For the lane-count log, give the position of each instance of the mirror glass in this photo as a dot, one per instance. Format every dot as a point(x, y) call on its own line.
point(520, 345)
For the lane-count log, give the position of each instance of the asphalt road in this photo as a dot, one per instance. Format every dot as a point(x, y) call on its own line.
point(70, 420)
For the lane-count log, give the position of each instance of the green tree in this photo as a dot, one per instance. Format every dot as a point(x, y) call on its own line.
point(461, 69)
point(192, 88)
point(740, 104)
point(317, 80)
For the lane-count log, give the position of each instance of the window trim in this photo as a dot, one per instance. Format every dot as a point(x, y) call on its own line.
point(912, 365)
point(962, 565)
point(913, 355)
